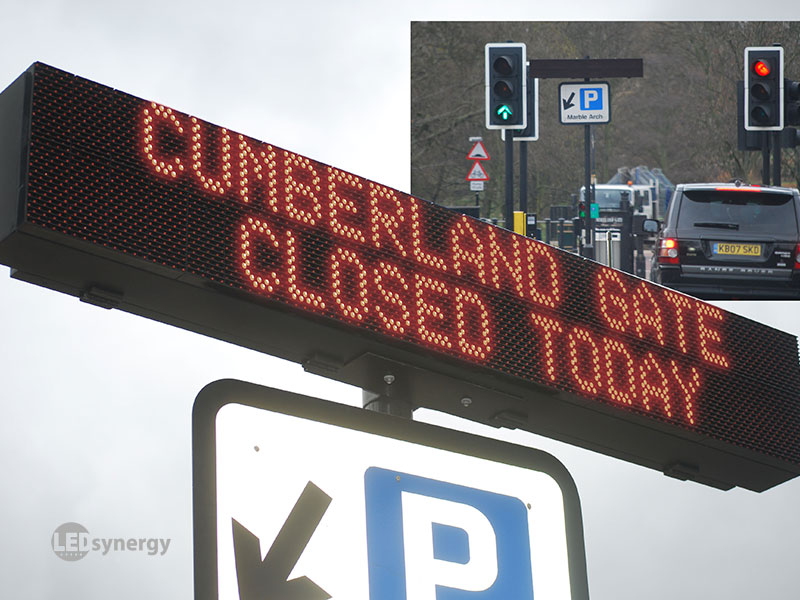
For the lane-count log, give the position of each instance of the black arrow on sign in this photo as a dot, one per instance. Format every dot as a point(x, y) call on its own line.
point(568, 102)
point(268, 579)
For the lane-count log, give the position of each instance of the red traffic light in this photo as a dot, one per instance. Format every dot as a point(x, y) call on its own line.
point(763, 79)
point(761, 68)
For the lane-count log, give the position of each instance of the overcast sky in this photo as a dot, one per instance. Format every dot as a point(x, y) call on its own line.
point(95, 405)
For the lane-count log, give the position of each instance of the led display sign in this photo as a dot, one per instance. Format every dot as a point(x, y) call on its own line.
point(128, 203)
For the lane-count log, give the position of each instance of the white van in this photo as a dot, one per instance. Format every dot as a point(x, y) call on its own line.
point(608, 197)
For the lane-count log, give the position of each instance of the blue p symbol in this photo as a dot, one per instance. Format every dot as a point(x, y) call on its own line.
point(434, 540)
point(591, 99)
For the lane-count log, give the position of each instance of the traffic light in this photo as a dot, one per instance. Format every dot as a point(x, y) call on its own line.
point(791, 102)
point(506, 86)
point(763, 79)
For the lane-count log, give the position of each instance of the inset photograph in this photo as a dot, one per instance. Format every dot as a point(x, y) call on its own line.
point(663, 149)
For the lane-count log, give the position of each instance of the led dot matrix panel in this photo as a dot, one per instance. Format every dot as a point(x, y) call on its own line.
point(131, 204)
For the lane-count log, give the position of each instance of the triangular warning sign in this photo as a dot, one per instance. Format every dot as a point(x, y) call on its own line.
point(477, 173)
point(478, 152)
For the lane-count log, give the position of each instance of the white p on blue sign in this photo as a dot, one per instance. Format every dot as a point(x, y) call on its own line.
point(434, 540)
point(295, 497)
point(592, 99)
point(585, 103)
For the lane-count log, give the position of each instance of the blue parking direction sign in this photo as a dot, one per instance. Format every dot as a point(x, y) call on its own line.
point(584, 103)
point(296, 497)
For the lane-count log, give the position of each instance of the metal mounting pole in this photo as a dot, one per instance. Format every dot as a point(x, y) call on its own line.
point(776, 158)
point(764, 158)
point(588, 249)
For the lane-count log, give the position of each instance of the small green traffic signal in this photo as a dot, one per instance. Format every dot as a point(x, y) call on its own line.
point(594, 210)
point(506, 85)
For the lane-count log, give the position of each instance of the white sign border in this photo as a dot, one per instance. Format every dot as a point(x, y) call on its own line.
point(221, 393)
point(583, 84)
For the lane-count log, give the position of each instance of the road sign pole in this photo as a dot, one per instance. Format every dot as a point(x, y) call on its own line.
point(588, 249)
point(580, 104)
point(509, 213)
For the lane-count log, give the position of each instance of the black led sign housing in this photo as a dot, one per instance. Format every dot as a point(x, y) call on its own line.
point(130, 204)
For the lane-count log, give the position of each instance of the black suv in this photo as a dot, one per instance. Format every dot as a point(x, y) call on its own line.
point(730, 241)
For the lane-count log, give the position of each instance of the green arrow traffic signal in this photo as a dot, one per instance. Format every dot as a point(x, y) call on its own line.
point(504, 112)
point(506, 85)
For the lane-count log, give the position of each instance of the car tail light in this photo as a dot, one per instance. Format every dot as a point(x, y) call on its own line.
point(668, 252)
point(797, 258)
point(749, 188)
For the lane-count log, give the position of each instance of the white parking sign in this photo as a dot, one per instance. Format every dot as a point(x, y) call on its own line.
point(296, 498)
point(585, 103)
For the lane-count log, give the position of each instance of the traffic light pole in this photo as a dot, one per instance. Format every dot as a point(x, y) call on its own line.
point(523, 177)
point(764, 158)
point(509, 216)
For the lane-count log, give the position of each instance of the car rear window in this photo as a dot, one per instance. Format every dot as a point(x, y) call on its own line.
point(757, 212)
